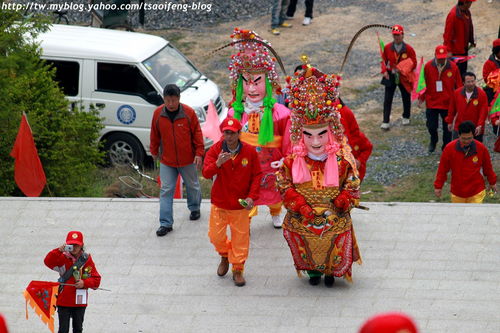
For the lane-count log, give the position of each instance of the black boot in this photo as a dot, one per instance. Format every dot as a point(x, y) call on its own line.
point(329, 281)
point(314, 280)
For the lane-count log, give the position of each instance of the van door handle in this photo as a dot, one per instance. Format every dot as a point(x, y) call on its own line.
point(100, 105)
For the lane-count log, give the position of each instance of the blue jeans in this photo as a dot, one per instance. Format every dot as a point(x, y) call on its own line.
point(278, 12)
point(168, 176)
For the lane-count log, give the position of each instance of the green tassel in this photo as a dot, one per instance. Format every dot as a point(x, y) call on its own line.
point(266, 133)
point(238, 104)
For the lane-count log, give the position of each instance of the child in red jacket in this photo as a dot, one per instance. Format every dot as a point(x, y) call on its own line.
point(77, 273)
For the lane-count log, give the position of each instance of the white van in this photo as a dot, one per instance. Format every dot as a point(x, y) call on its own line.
point(123, 74)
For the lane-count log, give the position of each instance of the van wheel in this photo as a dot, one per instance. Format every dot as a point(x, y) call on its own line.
point(123, 149)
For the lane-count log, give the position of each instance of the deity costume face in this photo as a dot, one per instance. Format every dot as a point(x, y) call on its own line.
point(316, 139)
point(254, 87)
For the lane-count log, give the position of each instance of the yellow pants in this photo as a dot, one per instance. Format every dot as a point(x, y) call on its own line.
point(274, 209)
point(478, 198)
point(236, 248)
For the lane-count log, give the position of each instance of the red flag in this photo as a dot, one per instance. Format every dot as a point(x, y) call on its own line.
point(41, 296)
point(210, 127)
point(28, 170)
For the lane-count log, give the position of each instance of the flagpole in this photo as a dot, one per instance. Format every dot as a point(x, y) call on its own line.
point(74, 285)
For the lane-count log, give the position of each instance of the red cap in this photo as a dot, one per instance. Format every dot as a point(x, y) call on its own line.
point(392, 322)
point(441, 52)
point(496, 42)
point(3, 325)
point(74, 237)
point(469, 0)
point(397, 29)
point(230, 124)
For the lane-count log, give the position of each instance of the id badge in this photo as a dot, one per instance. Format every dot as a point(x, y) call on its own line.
point(439, 86)
point(81, 296)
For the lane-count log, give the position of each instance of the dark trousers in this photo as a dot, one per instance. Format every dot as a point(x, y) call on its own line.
point(432, 123)
point(293, 6)
point(462, 66)
point(389, 96)
point(67, 312)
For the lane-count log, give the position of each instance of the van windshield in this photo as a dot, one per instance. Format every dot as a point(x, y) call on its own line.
point(169, 66)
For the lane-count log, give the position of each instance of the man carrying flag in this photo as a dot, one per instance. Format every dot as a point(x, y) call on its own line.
point(398, 63)
point(442, 77)
point(28, 170)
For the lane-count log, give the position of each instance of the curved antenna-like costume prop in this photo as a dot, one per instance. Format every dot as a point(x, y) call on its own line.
point(275, 54)
point(355, 37)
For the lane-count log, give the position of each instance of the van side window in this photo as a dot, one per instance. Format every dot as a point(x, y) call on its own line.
point(67, 75)
point(123, 79)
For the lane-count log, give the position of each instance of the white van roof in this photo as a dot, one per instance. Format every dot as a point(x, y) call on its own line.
point(95, 43)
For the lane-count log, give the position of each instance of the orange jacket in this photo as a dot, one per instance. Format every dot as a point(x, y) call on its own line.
point(178, 141)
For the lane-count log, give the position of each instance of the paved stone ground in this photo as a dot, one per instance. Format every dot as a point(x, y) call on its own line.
point(439, 263)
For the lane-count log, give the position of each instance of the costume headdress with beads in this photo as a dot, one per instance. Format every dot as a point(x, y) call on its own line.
point(314, 101)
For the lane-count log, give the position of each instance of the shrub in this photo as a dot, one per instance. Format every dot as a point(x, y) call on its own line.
point(66, 139)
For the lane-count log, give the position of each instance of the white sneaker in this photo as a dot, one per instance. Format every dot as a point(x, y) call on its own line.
point(406, 121)
point(385, 126)
point(277, 221)
point(307, 21)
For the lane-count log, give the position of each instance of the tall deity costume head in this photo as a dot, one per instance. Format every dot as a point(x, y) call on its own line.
point(253, 78)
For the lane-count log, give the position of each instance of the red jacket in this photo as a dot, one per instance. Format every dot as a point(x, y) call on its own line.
point(489, 66)
point(451, 80)
point(361, 146)
point(466, 177)
point(476, 110)
point(458, 31)
point(61, 262)
point(238, 178)
point(391, 58)
point(178, 141)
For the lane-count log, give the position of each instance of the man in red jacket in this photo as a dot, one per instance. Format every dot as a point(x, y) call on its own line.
point(361, 146)
point(77, 270)
point(176, 140)
point(465, 157)
point(492, 64)
point(459, 32)
point(236, 168)
point(468, 103)
point(399, 61)
point(442, 77)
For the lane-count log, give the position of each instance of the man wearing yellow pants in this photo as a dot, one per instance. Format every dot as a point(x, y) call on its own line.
point(236, 169)
point(465, 157)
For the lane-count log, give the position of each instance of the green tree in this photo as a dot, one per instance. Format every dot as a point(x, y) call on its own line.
point(66, 139)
